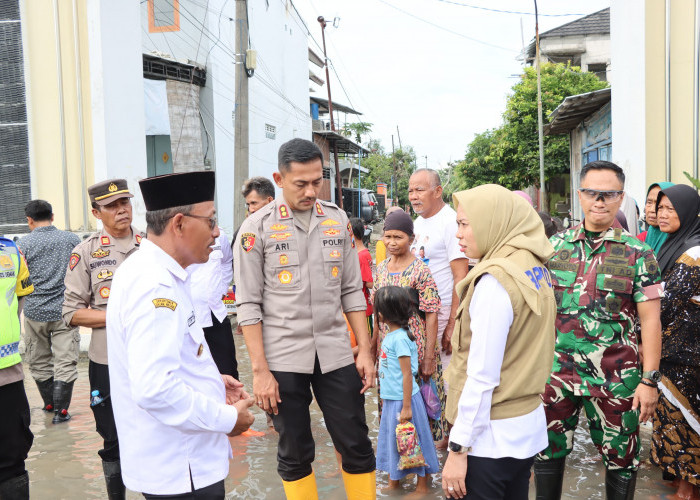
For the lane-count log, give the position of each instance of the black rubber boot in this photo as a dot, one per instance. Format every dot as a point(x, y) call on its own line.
point(618, 487)
point(16, 488)
point(46, 391)
point(549, 478)
point(113, 477)
point(62, 392)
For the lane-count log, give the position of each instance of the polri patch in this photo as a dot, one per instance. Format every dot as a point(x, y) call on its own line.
point(331, 232)
point(330, 222)
point(247, 241)
point(74, 259)
point(285, 277)
point(279, 227)
point(284, 260)
point(104, 292)
point(100, 253)
point(170, 304)
point(104, 240)
point(334, 271)
point(334, 253)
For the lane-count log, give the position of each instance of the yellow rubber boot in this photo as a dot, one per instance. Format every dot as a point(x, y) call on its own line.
point(360, 486)
point(301, 489)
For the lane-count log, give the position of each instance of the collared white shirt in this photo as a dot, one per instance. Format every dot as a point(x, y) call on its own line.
point(167, 394)
point(520, 437)
point(210, 281)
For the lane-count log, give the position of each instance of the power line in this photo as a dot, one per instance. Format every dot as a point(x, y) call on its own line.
point(506, 11)
point(449, 30)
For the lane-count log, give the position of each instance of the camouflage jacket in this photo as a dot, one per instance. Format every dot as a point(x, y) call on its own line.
point(597, 284)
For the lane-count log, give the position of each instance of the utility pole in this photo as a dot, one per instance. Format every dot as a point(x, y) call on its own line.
point(543, 195)
point(241, 157)
point(338, 185)
point(426, 161)
point(398, 134)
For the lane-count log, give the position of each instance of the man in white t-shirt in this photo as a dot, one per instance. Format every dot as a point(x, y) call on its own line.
point(435, 230)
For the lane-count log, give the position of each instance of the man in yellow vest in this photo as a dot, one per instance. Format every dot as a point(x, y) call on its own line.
point(15, 436)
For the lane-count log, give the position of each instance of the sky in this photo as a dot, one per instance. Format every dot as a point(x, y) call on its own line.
point(437, 70)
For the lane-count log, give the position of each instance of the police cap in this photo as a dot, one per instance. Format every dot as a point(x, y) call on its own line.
point(105, 192)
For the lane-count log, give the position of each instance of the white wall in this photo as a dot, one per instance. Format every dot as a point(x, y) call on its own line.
point(628, 100)
point(283, 65)
point(116, 87)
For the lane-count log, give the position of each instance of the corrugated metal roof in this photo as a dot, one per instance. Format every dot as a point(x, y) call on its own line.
point(574, 109)
point(323, 106)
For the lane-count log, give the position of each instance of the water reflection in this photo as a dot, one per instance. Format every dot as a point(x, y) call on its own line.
point(63, 462)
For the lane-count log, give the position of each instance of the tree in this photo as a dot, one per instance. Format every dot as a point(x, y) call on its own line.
point(509, 155)
point(381, 169)
point(357, 128)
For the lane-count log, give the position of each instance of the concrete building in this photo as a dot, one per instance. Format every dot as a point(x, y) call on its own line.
point(655, 98)
point(132, 89)
point(584, 42)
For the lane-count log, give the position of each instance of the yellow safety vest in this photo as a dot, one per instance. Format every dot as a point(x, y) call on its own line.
point(9, 321)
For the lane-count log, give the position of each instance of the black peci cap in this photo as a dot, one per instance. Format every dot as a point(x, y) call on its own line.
point(176, 190)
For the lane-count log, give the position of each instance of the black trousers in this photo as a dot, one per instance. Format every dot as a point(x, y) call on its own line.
point(498, 478)
point(219, 337)
point(215, 491)
point(104, 416)
point(343, 407)
point(15, 437)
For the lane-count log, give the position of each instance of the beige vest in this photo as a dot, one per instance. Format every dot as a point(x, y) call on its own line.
point(529, 352)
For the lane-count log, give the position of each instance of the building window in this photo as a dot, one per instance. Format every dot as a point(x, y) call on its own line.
point(270, 131)
point(326, 172)
point(163, 15)
point(600, 71)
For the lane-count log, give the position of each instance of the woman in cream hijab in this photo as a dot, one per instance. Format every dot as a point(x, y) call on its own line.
point(503, 347)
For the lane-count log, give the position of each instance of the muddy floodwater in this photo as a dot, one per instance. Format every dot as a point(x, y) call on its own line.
point(63, 462)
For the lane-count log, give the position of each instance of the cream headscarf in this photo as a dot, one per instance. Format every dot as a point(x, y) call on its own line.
point(503, 223)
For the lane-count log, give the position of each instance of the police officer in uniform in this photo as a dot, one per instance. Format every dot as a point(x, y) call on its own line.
point(172, 407)
point(296, 271)
point(88, 282)
point(604, 279)
point(15, 436)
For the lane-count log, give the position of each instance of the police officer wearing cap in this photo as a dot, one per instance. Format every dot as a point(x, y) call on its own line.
point(172, 407)
point(88, 283)
point(296, 272)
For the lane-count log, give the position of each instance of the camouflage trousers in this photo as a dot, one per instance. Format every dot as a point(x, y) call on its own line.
point(613, 425)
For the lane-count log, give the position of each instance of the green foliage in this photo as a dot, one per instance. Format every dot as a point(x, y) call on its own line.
point(357, 128)
point(509, 155)
point(693, 180)
point(381, 168)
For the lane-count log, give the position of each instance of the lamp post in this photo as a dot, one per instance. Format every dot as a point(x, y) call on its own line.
point(338, 185)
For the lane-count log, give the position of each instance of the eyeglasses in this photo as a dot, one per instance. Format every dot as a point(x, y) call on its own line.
point(212, 220)
point(606, 196)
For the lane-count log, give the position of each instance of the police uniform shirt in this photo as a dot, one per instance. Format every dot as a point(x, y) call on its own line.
point(168, 396)
point(89, 280)
point(209, 282)
point(298, 284)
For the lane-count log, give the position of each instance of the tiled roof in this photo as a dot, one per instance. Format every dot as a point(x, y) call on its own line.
point(596, 23)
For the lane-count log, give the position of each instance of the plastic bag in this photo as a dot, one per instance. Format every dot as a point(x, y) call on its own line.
point(410, 453)
point(432, 404)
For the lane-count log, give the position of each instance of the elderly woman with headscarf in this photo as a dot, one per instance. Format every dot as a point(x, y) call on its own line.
point(402, 268)
point(503, 347)
point(676, 436)
point(653, 236)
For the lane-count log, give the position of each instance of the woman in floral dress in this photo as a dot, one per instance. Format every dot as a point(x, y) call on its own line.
point(403, 269)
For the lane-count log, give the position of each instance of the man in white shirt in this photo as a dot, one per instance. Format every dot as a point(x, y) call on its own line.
point(172, 408)
point(435, 231)
point(208, 285)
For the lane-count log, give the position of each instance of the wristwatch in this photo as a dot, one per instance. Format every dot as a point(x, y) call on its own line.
point(458, 448)
point(653, 375)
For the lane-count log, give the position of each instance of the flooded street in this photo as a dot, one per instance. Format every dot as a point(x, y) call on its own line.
point(63, 462)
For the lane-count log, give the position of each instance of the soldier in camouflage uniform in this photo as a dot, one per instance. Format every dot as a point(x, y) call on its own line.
point(604, 278)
